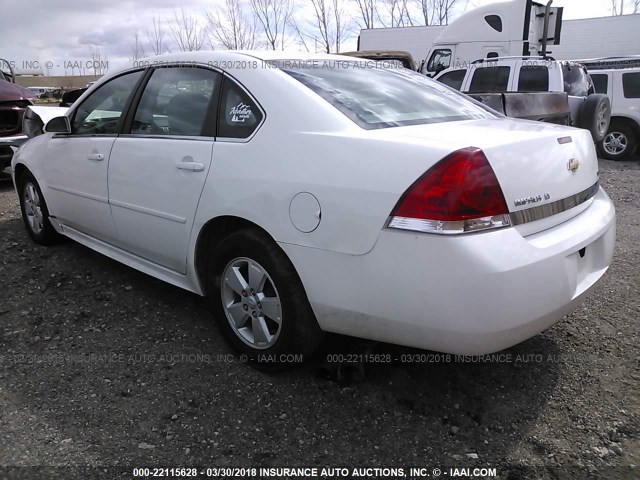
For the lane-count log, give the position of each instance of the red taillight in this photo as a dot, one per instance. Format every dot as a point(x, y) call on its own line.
point(458, 194)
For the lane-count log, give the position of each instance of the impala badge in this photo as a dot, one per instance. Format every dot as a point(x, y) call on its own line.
point(573, 165)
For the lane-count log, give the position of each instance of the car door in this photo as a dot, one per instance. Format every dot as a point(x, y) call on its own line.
point(75, 172)
point(159, 165)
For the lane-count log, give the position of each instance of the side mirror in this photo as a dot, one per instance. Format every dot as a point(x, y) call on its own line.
point(58, 125)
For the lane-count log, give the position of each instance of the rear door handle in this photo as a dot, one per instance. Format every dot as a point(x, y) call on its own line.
point(96, 156)
point(191, 166)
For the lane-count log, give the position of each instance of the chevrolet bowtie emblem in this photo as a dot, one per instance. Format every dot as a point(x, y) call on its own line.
point(573, 165)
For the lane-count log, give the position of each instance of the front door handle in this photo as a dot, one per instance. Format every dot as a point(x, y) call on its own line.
point(187, 163)
point(96, 156)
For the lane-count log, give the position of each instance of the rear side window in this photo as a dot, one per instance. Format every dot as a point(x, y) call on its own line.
point(533, 78)
point(631, 85)
point(601, 82)
point(239, 115)
point(495, 22)
point(490, 80)
point(453, 79)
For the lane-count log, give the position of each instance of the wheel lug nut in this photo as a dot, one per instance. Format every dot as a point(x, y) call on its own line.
point(244, 293)
point(259, 305)
point(245, 307)
point(253, 292)
point(254, 314)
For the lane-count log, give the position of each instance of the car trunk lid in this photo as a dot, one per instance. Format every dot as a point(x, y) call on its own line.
point(536, 164)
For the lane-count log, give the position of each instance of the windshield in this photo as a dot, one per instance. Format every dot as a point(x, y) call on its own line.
point(379, 98)
point(440, 60)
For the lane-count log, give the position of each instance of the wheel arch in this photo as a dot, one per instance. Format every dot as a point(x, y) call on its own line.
point(212, 233)
point(626, 121)
point(19, 170)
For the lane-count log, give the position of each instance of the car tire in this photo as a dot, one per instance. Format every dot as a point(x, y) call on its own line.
point(619, 143)
point(35, 213)
point(271, 334)
point(595, 116)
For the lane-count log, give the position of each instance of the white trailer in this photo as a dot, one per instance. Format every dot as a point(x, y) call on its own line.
point(599, 37)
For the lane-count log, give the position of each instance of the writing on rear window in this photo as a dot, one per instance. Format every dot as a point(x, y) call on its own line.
point(240, 113)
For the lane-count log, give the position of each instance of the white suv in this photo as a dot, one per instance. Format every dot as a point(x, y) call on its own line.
point(622, 86)
point(535, 74)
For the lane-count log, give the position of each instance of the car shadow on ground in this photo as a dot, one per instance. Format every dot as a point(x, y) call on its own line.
point(5, 181)
point(129, 367)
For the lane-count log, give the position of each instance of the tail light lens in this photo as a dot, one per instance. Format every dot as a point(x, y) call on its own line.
point(459, 194)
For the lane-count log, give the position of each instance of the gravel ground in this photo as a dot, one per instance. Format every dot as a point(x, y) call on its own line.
point(101, 366)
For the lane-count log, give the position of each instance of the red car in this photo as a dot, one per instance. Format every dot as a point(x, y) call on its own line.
point(14, 99)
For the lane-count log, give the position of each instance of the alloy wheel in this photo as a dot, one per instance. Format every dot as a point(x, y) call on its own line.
point(615, 143)
point(251, 303)
point(33, 208)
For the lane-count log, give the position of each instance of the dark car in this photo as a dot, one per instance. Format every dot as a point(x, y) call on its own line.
point(71, 96)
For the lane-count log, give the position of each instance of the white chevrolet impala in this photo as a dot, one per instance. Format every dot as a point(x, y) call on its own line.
point(304, 194)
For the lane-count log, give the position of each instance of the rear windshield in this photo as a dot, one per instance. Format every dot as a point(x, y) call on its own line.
point(375, 97)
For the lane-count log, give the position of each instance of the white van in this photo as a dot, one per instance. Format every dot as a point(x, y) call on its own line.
point(622, 85)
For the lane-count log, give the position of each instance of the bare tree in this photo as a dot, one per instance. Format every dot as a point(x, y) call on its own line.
point(301, 36)
point(395, 13)
point(137, 49)
point(188, 32)
point(99, 61)
point(618, 7)
point(437, 12)
point(368, 12)
point(273, 17)
point(155, 36)
point(231, 27)
point(341, 25)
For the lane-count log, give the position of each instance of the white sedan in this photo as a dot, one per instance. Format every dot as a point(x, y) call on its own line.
point(304, 194)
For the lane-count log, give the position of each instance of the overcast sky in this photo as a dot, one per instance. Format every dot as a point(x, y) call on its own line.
point(62, 31)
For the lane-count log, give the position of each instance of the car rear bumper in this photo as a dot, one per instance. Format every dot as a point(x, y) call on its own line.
point(470, 294)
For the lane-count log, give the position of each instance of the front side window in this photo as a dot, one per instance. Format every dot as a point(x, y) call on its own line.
point(440, 60)
point(490, 79)
point(453, 79)
point(239, 114)
point(601, 82)
point(381, 98)
point(178, 101)
point(100, 112)
point(533, 78)
point(631, 85)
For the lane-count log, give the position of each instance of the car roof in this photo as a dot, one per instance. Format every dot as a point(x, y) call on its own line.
point(212, 55)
